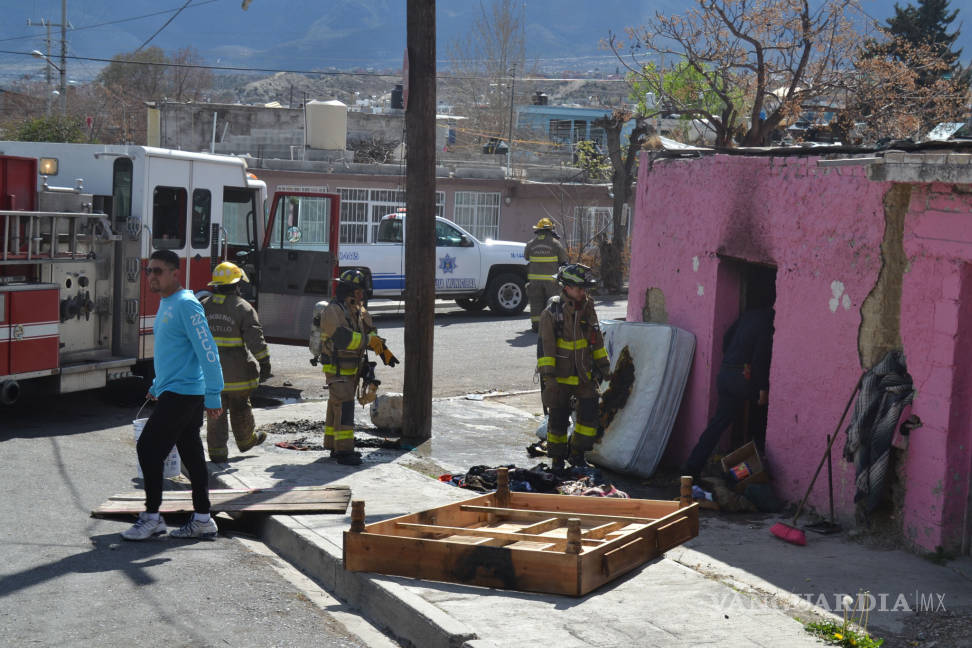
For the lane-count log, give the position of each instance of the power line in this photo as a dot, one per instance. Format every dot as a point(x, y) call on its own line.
point(227, 68)
point(166, 24)
point(120, 20)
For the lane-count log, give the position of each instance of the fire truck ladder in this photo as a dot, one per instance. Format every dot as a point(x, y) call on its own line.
point(37, 237)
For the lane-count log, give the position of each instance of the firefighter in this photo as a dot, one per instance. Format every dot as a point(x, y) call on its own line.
point(545, 254)
point(572, 362)
point(244, 356)
point(347, 333)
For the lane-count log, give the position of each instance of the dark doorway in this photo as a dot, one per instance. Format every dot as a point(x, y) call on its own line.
point(757, 289)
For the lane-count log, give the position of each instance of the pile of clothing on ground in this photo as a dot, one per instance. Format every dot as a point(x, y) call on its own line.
point(539, 479)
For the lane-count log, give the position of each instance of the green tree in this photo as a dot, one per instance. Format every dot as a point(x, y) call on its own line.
point(757, 62)
point(55, 128)
point(926, 24)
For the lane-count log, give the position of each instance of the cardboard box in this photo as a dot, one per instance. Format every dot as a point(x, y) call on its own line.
point(745, 463)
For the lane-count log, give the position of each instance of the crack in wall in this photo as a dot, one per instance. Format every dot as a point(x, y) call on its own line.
point(880, 329)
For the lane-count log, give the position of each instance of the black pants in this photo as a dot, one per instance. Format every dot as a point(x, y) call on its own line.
point(175, 421)
point(734, 391)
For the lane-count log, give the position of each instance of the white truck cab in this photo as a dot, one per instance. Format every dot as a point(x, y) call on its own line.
point(475, 273)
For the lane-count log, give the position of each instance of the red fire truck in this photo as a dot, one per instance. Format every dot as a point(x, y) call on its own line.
point(78, 223)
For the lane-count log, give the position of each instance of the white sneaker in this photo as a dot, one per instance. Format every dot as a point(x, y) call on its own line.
point(144, 528)
point(196, 529)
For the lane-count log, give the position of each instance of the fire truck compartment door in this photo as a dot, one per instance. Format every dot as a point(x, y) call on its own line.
point(291, 282)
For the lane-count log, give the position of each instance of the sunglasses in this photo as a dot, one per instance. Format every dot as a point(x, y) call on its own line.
point(157, 270)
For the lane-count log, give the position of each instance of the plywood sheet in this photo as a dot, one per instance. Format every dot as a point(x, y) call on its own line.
point(296, 499)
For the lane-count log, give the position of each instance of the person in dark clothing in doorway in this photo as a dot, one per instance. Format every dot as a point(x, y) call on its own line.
point(743, 376)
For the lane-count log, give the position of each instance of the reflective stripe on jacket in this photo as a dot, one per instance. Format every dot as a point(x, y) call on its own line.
point(239, 336)
point(344, 337)
point(545, 254)
point(571, 342)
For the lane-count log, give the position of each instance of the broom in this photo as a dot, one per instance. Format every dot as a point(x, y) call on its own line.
point(791, 532)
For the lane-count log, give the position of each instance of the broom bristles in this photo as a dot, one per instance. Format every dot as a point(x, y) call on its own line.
point(790, 534)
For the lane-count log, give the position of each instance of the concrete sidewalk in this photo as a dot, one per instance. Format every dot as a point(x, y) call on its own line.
point(733, 585)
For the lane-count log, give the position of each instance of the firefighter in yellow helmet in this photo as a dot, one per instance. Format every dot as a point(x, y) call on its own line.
point(244, 356)
point(572, 361)
point(544, 254)
point(347, 333)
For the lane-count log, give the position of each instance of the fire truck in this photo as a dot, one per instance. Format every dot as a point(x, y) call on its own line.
point(78, 223)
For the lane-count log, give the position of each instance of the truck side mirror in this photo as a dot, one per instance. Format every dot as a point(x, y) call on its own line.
point(464, 241)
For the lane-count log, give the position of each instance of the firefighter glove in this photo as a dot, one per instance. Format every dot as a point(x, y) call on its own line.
point(314, 361)
point(388, 358)
point(265, 371)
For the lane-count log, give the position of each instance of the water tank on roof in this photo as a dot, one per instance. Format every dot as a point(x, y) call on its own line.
point(327, 125)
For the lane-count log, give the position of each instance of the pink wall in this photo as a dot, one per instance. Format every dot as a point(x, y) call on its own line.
point(822, 229)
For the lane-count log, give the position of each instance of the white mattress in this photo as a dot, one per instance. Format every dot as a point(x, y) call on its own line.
point(635, 440)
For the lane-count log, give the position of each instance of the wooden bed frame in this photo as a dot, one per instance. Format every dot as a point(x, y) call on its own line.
point(558, 544)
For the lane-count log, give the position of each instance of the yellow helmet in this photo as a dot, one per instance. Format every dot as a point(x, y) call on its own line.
point(544, 223)
point(227, 274)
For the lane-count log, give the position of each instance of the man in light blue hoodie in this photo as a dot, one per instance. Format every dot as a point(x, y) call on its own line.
point(188, 379)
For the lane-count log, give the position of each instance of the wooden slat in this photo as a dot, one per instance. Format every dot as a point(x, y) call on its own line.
point(486, 532)
point(531, 514)
point(543, 525)
point(299, 499)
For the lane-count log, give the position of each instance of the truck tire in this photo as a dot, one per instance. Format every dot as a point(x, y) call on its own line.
point(471, 303)
point(506, 294)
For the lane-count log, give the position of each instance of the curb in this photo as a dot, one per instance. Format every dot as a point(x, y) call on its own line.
point(391, 606)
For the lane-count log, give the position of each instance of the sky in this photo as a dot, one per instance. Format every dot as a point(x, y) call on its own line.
point(300, 35)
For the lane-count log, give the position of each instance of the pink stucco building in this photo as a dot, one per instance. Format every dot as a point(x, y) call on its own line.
point(870, 254)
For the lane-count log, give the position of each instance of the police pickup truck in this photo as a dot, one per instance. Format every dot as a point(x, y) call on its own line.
point(474, 273)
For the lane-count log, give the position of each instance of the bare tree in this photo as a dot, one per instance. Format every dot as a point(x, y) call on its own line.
point(484, 64)
point(756, 61)
point(623, 168)
point(184, 78)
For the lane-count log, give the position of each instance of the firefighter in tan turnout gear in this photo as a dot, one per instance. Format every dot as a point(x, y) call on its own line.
point(572, 362)
point(544, 254)
point(347, 333)
point(244, 356)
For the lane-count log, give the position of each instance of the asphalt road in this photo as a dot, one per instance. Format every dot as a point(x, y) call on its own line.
point(474, 352)
point(69, 580)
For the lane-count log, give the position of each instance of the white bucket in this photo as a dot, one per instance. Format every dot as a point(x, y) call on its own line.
point(171, 467)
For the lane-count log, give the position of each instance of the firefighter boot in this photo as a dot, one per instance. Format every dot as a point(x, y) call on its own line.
point(558, 465)
point(348, 458)
point(577, 460)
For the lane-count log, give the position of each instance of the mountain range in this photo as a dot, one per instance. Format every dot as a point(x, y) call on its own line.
point(562, 35)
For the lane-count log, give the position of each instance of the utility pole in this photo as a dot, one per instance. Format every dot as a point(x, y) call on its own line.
point(509, 144)
point(419, 223)
point(62, 69)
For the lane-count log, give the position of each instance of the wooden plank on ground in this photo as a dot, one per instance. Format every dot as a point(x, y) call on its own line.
point(295, 499)
point(534, 514)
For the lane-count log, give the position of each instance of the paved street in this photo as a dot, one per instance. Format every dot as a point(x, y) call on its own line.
point(69, 580)
point(474, 352)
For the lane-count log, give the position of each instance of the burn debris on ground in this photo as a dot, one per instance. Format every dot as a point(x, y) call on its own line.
point(538, 479)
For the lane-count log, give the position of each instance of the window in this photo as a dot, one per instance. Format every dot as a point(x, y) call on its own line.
point(202, 201)
point(309, 215)
point(238, 204)
point(363, 209)
point(354, 215)
point(478, 213)
point(169, 218)
point(446, 235)
point(586, 224)
point(121, 190)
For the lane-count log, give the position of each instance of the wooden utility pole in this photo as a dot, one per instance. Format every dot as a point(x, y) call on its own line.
point(419, 223)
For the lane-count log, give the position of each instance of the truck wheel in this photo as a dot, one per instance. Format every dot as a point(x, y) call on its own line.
point(506, 294)
point(471, 303)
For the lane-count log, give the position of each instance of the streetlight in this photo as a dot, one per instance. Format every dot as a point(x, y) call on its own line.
point(41, 55)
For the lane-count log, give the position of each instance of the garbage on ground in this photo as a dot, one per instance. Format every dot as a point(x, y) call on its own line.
point(538, 479)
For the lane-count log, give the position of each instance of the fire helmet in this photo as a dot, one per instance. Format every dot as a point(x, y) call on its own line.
point(544, 224)
point(576, 274)
point(227, 274)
